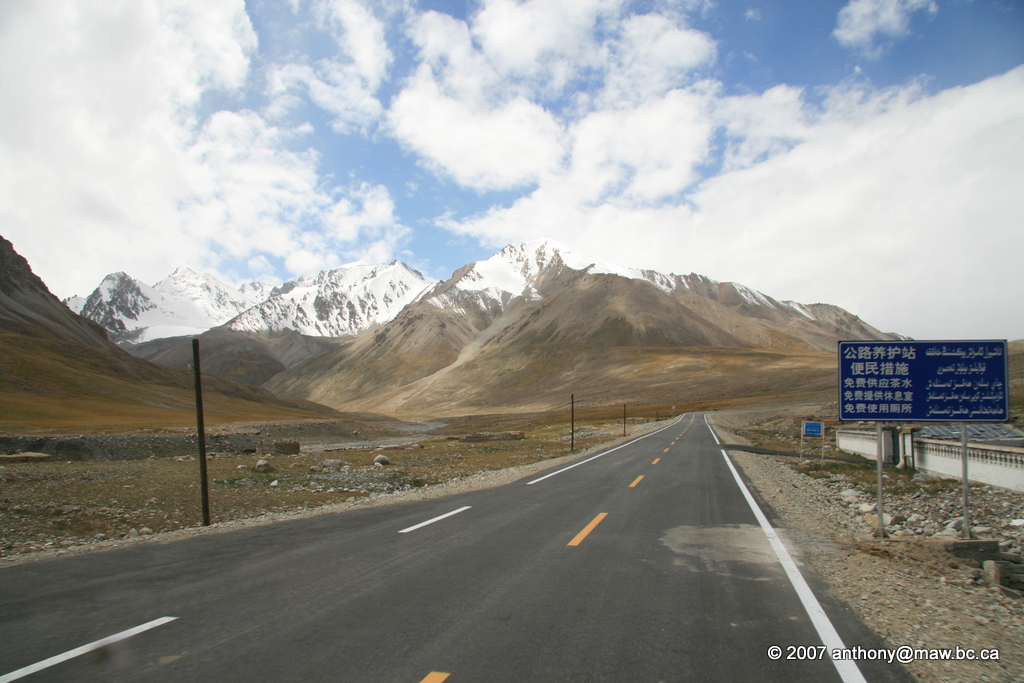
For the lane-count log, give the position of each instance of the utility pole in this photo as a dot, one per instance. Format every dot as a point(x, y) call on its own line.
point(623, 419)
point(572, 422)
point(201, 431)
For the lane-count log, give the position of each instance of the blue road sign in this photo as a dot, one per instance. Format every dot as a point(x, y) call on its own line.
point(923, 381)
point(813, 428)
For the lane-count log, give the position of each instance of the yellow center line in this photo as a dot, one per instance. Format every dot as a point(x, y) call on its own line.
point(587, 529)
point(665, 451)
point(636, 481)
point(656, 461)
point(435, 677)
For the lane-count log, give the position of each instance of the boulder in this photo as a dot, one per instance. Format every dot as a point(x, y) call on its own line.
point(331, 462)
point(286, 447)
point(264, 466)
point(993, 572)
point(871, 519)
point(381, 460)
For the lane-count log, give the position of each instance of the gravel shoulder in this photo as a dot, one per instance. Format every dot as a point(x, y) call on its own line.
point(909, 590)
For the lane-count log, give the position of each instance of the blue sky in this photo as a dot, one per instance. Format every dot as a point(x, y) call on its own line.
point(866, 153)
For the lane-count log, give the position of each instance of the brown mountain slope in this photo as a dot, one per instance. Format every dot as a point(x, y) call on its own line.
point(244, 357)
point(611, 338)
point(59, 371)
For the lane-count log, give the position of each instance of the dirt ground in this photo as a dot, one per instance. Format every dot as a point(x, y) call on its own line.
point(67, 504)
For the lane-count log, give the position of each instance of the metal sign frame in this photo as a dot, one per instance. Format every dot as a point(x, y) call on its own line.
point(923, 381)
point(813, 429)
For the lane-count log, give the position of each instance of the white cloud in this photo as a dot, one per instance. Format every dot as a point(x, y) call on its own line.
point(757, 127)
point(333, 86)
point(643, 154)
point(472, 113)
point(862, 22)
point(344, 85)
point(546, 40)
point(479, 146)
point(360, 37)
point(102, 148)
point(652, 56)
point(903, 209)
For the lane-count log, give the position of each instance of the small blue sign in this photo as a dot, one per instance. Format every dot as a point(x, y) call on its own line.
point(813, 428)
point(929, 381)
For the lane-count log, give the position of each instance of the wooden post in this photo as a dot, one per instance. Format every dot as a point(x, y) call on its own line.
point(572, 422)
point(623, 419)
point(201, 431)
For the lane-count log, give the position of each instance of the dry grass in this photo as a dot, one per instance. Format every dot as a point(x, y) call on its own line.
point(46, 505)
point(49, 385)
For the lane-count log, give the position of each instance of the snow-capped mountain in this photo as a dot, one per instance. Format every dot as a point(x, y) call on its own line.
point(338, 302)
point(183, 303)
point(355, 297)
point(517, 270)
point(539, 320)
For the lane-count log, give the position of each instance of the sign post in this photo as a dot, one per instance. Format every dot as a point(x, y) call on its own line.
point(204, 490)
point(924, 381)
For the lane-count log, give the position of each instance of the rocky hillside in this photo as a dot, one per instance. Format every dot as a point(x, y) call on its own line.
point(536, 321)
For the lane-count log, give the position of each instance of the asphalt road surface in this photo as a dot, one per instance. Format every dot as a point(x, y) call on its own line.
point(646, 563)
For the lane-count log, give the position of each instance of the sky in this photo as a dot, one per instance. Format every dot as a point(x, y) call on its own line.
point(863, 153)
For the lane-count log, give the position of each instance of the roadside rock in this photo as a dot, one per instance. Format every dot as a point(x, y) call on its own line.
point(381, 460)
point(264, 466)
point(910, 589)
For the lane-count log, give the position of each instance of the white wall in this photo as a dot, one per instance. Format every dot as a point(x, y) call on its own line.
point(996, 465)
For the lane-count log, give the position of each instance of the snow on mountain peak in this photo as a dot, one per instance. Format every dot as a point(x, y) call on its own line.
point(514, 270)
point(356, 296)
point(338, 302)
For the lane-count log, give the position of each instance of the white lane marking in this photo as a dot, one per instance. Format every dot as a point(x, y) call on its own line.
point(71, 654)
point(595, 457)
point(847, 669)
point(435, 519)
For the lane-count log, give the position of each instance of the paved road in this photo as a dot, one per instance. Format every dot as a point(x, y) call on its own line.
point(592, 574)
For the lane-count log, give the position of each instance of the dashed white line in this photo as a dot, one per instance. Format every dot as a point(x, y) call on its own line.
point(435, 519)
point(612, 450)
point(71, 654)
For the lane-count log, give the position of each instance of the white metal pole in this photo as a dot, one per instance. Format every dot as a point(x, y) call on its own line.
point(880, 453)
point(965, 531)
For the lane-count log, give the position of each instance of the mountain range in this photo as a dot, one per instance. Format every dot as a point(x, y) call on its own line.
point(59, 370)
point(335, 303)
point(533, 322)
point(536, 322)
